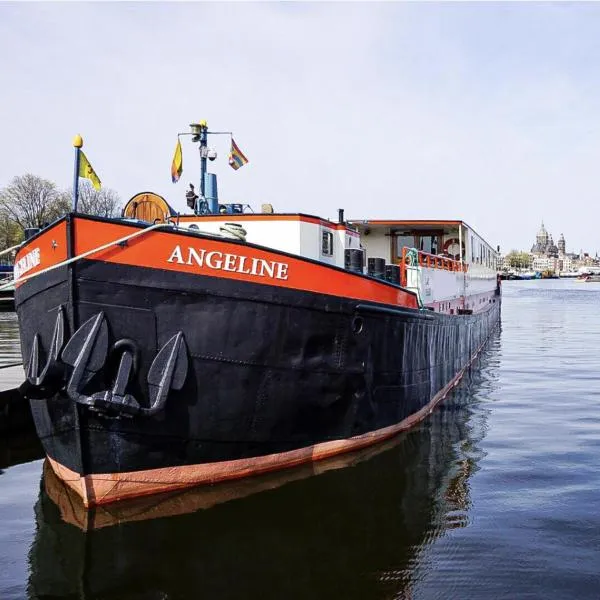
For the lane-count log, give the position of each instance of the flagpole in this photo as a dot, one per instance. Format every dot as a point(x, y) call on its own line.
point(77, 144)
point(203, 147)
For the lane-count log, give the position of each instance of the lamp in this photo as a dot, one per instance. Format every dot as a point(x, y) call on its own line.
point(197, 130)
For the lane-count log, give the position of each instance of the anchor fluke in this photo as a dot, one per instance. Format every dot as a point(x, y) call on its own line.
point(168, 371)
point(86, 352)
point(35, 376)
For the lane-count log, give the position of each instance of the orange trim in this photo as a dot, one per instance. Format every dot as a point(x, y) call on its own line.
point(52, 244)
point(405, 223)
point(261, 217)
point(110, 487)
point(177, 502)
point(154, 249)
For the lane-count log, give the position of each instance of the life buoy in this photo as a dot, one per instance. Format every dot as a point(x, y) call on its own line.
point(452, 248)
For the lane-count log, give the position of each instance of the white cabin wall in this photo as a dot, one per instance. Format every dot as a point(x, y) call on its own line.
point(440, 285)
point(281, 235)
point(377, 245)
point(481, 256)
point(302, 238)
point(311, 239)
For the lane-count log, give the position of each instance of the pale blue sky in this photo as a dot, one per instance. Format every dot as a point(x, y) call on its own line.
point(488, 112)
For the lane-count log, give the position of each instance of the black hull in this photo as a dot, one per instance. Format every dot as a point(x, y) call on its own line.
point(269, 370)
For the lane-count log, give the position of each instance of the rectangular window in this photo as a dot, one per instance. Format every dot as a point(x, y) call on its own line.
point(327, 243)
point(429, 243)
point(404, 240)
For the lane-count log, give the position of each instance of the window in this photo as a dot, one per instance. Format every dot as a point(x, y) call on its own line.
point(327, 243)
point(428, 243)
point(403, 240)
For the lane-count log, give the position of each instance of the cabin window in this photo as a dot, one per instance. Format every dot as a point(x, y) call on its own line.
point(404, 240)
point(327, 243)
point(429, 243)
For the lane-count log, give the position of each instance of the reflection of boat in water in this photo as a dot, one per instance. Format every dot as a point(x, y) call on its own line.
point(346, 533)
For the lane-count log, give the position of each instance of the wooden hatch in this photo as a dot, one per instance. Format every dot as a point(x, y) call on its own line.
point(148, 207)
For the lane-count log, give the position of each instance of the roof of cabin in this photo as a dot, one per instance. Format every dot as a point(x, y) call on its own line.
point(418, 224)
point(415, 224)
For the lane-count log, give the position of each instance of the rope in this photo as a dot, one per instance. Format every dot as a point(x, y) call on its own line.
point(412, 263)
point(11, 249)
point(85, 254)
point(233, 230)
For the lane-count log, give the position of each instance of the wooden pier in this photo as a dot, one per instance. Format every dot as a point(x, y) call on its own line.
point(15, 416)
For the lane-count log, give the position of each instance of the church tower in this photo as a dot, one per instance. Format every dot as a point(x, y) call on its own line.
point(562, 245)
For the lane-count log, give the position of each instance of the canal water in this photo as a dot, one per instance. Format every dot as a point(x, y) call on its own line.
point(496, 495)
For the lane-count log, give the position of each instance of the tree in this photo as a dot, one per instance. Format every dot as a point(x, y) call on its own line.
point(30, 201)
point(519, 260)
point(102, 203)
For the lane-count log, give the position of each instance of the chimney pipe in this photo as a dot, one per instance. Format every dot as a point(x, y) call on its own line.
point(341, 215)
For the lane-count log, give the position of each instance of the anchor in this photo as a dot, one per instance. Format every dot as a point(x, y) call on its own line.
point(44, 382)
point(87, 351)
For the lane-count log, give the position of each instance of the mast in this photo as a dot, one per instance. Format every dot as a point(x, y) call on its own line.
point(203, 156)
point(199, 132)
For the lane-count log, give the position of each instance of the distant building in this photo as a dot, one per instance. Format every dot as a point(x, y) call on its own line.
point(548, 256)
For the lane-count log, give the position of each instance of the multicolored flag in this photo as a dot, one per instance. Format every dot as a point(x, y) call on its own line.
point(87, 172)
point(236, 156)
point(177, 164)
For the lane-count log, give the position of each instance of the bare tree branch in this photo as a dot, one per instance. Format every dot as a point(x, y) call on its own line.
point(102, 203)
point(31, 201)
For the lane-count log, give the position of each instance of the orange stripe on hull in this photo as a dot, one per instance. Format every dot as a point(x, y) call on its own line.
point(156, 249)
point(103, 488)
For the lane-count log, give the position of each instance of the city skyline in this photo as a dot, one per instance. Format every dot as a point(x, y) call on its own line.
point(569, 248)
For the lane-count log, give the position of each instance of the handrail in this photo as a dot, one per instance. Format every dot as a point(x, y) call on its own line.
point(428, 261)
point(434, 261)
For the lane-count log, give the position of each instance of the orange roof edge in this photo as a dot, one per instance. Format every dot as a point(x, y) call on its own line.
point(388, 222)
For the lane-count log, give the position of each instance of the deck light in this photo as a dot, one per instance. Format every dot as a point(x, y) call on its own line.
point(196, 129)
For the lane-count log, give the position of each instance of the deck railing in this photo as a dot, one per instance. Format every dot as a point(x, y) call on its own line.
point(413, 258)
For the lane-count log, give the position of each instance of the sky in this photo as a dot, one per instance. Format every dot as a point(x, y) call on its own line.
point(486, 112)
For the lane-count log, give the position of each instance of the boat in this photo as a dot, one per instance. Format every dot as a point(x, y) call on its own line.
point(7, 293)
point(588, 275)
point(165, 351)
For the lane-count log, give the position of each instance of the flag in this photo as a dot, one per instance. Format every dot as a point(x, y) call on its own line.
point(236, 156)
point(177, 164)
point(87, 172)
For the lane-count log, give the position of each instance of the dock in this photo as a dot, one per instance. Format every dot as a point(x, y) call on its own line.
point(15, 416)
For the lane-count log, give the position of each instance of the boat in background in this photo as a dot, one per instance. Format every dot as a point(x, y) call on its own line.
point(588, 275)
point(164, 351)
point(7, 289)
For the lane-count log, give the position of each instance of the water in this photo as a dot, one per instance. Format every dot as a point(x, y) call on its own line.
point(496, 495)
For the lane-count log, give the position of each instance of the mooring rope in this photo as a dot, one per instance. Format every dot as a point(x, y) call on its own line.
point(73, 259)
point(11, 249)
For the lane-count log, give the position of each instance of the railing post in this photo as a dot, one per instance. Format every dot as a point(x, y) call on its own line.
point(403, 268)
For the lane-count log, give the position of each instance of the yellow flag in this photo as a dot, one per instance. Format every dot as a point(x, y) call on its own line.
point(177, 164)
point(87, 172)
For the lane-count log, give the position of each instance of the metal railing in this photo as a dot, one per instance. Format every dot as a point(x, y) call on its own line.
point(413, 258)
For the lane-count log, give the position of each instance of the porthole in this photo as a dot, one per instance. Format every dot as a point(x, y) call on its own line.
point(357, 324)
